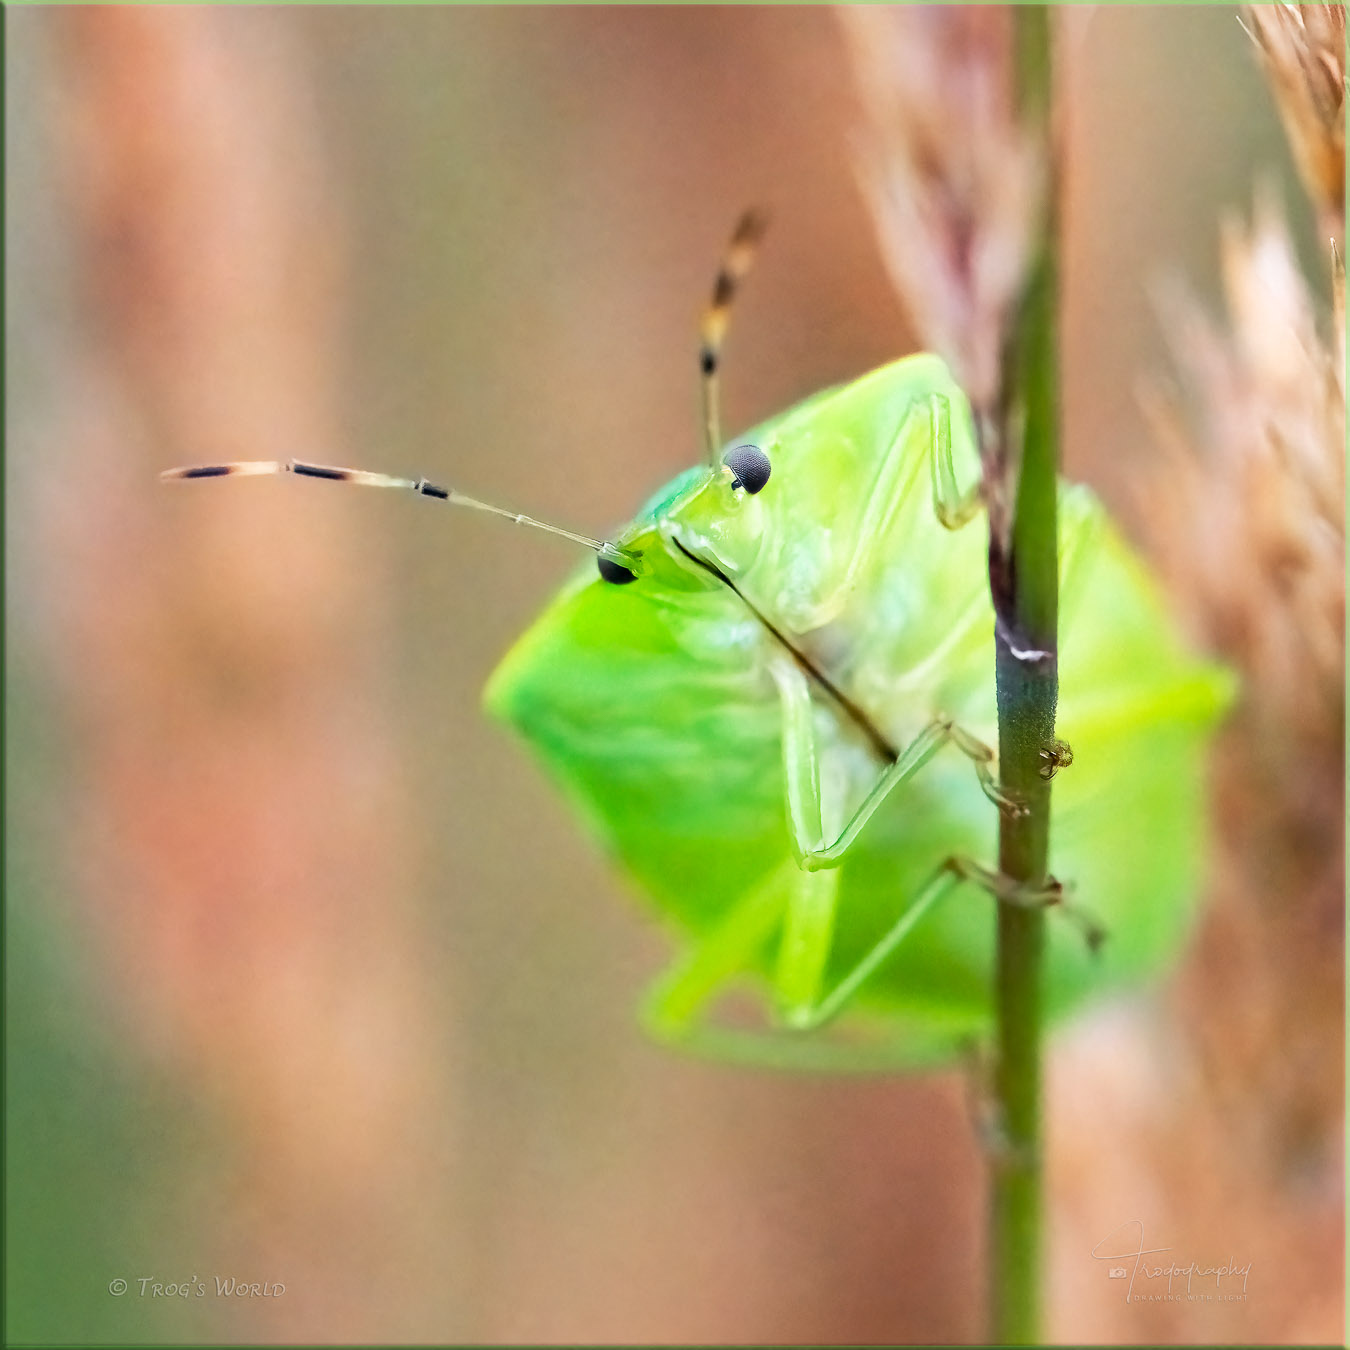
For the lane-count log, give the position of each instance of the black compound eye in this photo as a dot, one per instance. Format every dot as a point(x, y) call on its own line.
point(750, 467)
point(613, 572)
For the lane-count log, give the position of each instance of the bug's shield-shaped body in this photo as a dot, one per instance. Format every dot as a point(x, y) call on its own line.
point(659, 706)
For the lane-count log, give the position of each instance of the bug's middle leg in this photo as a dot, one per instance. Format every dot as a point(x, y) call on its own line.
point(808, 925)
point(815, 850)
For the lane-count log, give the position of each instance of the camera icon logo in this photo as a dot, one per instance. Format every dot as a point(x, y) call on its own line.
point(1116, 1272)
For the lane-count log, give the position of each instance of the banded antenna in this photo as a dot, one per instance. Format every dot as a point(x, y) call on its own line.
point(615, 564)
point(736, 262)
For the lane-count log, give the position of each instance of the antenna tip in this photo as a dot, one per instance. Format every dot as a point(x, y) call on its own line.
point(751, 227)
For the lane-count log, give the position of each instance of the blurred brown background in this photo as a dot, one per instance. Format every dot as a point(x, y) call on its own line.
point(311, 978)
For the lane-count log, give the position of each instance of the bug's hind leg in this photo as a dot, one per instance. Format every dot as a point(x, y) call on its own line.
point(817, 1011)
point(678, 1009)
point(1032, 896)
point(808, 1016)
point(952, 506)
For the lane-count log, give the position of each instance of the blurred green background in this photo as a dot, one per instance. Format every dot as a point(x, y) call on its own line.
point(310, 977)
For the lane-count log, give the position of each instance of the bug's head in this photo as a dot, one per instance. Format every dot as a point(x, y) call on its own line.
point(715, 511)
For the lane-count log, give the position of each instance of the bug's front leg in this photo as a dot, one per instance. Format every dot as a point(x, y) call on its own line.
point(952, 506)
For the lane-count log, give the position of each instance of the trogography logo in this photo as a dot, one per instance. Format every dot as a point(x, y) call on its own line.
point(1172, 1280)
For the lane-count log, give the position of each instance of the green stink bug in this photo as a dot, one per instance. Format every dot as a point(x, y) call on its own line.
point(773, 700)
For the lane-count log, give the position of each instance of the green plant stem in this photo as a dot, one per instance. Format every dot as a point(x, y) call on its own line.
point(1025, 578)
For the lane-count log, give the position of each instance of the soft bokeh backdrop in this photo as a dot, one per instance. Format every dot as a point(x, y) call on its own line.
point(311, 980)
